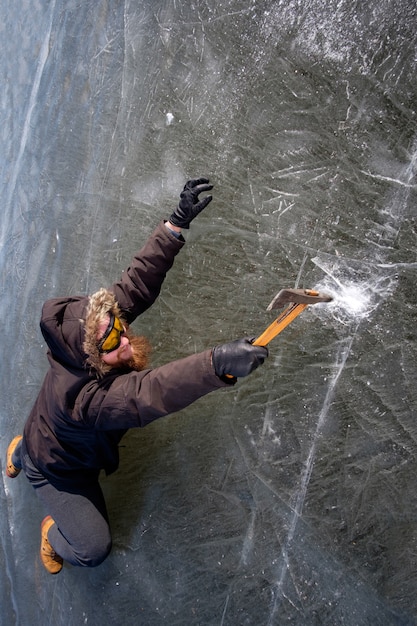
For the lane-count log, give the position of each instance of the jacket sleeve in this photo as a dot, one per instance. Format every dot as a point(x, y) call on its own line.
point(141, 282)
point(138, 398)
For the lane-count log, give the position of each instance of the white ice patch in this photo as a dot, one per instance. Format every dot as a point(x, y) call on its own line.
point(169, 118)
point(354, 299)
point(355, 295)
point(353, 303)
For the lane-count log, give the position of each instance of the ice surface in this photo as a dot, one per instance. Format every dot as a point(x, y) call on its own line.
point(290, 498)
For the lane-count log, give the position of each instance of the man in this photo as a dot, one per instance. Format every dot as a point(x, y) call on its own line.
point(99, 385)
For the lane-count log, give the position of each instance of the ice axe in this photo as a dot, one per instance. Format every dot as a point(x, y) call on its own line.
point(298, 300)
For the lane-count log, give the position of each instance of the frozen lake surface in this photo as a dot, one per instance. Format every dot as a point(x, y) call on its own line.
point(291, 498)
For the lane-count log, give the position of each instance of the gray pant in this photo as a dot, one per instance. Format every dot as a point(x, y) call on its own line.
point(81, 533)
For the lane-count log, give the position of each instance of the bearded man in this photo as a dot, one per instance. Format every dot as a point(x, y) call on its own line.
point(99, 385)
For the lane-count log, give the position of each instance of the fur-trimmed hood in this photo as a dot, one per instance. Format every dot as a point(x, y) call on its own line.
point(99, 305)
point(62, 326)
point(70, 325)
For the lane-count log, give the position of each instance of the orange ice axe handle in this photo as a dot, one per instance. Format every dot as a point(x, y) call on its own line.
point(298, 300)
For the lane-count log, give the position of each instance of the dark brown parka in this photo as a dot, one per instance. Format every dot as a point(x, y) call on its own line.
point(79, 417)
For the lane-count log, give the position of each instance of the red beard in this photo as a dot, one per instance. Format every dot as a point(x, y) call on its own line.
point(141, 349)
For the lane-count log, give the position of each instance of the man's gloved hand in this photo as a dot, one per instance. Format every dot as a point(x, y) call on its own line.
point(189, 206)
point(238, 358)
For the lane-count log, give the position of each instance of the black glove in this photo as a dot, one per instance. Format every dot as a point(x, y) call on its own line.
point(238, 358)
point(189, 206)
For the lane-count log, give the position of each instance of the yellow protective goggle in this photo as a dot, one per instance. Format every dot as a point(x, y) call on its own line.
point(112, 338)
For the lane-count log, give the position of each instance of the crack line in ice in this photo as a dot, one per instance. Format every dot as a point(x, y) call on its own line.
point(7, 534)
point(411, 265)
point(397, 181)
point(226, 604)
point(340, 363)
point(88, 261)
point(248, 540)
point(105, 48)
point(43, 55)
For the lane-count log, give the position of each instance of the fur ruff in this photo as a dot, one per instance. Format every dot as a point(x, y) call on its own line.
point(99, 306)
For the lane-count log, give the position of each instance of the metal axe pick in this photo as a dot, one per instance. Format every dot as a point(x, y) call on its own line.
point(298, 300)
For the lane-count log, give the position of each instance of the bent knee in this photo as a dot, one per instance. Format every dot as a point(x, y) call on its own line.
point(94, 553)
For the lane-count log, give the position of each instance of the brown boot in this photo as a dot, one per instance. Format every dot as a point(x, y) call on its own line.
point(51, 560)
point(11, 470)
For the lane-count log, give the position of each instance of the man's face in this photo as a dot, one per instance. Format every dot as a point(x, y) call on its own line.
point(120, 356)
